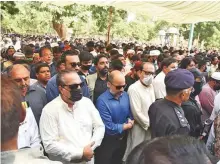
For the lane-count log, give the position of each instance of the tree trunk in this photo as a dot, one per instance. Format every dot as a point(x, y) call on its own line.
point(109, 24)
point(60, 29)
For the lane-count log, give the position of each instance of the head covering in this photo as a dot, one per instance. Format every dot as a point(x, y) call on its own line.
point(216, 76)
point(137, 65)
point(154, 53)
point(130, 52)
point(179, 79)
point(18, 54)
point(196, 73)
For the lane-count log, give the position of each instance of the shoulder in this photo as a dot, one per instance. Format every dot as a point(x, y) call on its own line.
point(91, 76)
point(53, 106)
point(52, 80)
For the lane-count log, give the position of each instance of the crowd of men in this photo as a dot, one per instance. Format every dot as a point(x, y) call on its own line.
point(94, 103)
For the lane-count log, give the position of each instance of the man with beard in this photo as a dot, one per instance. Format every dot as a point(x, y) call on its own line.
point(114, 108)
point(71, 127)
point(97, 82)
point(208, 93)
point(35, 100)
point(191, 109)
point(9, 58)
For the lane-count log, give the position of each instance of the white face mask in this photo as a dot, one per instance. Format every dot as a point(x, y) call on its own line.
point(148, 79)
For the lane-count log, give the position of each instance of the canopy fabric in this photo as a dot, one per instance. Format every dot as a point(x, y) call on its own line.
point(172, 11)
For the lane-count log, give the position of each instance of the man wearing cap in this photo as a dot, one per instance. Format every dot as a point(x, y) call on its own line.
point(191, 109)
point(166, 115)
point(208, 93)
point(153, 57)
point(18, 56)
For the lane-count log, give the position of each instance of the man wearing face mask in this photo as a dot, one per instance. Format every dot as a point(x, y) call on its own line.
point(191, 109)
point(166, 115)
point(97, 82)
point(167, 65)
point(86, 63)
point(71, 127)
point(114, 108)
point(141, 95)
point(208, 93)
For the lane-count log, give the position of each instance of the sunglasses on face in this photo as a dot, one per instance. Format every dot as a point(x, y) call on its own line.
point(118, 87)
point(75, 86)
point(148, 73)
point(75, 64)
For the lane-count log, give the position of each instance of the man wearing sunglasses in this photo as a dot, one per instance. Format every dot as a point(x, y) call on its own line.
point(141, 95)
point(71, 62)
point(114, 108)
point(71, 127)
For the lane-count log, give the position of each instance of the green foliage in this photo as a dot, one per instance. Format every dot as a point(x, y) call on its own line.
point(8, 7)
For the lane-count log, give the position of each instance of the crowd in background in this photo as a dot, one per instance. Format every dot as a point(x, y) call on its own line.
point(83, 101)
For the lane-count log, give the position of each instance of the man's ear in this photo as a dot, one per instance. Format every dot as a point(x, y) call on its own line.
point(60, 89)
point(108, 84)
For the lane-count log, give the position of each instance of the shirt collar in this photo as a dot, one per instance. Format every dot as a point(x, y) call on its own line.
point(65, 105)
point(110, 96)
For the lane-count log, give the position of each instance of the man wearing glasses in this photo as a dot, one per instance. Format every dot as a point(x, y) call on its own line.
point(141, 95)
point(70, 60)
point(71, 127)
point(114, 108)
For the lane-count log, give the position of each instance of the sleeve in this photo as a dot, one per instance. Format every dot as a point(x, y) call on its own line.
point(211, 139)
point(136, 109)
point(51, 91)
point(85, 89)
point(158, 90)
point(110, 127)
point(52, 142)
point(207, 102)
point(216, 108)
point(34, 131)
point(98, 127)
point(90, 89)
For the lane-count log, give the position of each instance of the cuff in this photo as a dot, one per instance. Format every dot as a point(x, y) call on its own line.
point(120, 128)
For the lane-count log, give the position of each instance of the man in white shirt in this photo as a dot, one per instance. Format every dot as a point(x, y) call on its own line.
point(70, 125)
point(167, 65)
point(141, 95)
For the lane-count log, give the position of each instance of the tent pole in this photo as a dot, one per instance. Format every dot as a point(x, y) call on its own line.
point(191, 36)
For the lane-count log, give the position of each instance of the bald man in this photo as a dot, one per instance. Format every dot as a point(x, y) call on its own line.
point(114, 108)
point(33, 95)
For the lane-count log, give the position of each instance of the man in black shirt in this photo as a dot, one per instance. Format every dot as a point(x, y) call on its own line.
point(166, 115)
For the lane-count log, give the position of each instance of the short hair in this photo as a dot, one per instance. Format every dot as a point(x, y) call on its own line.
point(11, 109)
point(173, 92)
point(38, 66)
point(171, 150)
point(213, 57)
point(28, 51)
point(59, 79)
point(167, 61)
point(114, 52)
point(110, 78)
point(42, 49)
point(10, 68)
point(59, 62)
point(185, 62)
point(116, 65)
point(201, 63)
point(90, 44)
point(96, 59)
point(135, 58)
point(85, 56)
point(57, 49)
point(68, 53)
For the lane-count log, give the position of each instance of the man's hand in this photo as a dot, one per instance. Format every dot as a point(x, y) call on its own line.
point(129, 125)
point(88, 152)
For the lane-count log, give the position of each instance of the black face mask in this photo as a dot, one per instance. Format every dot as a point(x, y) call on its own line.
point(76, 95)
point(197, 89)
point(104, 71)
point(86, 67)
point(216, 87)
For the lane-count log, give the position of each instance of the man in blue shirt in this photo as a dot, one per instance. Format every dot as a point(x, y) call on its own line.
point(71, 61)
point(114, 108)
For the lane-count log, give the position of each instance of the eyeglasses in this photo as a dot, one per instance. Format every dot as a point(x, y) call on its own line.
point(119, 86)
point(75, 86)
point(74, 64)
point(148, 73)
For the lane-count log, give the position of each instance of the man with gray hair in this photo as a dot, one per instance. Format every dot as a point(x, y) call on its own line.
point(71, 127)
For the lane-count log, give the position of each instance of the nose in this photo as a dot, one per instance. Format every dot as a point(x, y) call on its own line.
point(23, 82)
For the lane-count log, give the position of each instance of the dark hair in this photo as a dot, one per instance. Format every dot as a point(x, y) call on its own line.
point(213, 57)
point(11, 109)
point(167, 61)
point(135, 58)
point(90, 44)
point(10, 68)
point(28, 51)
point(38, 66)
point(68, 53)
point(185, 62)
point(85, 56)
point(57, 49)
point(116, 65)
point(42, 49)
point(201, 63)
point(59, 62)
point(173, 92)
point(96, 59)
point(114, 52)
point(171, 150)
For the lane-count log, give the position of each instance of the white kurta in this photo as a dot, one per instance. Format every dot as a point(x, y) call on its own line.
point(141, 98)
point(66, 131)
point(159, 86)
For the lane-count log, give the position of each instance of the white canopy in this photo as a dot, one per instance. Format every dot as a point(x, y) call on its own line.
point(171, 11)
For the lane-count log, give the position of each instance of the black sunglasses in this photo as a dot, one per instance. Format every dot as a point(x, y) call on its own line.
point(75, 64)
point(119, 86)
point(75, 86)
point(148, 73)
